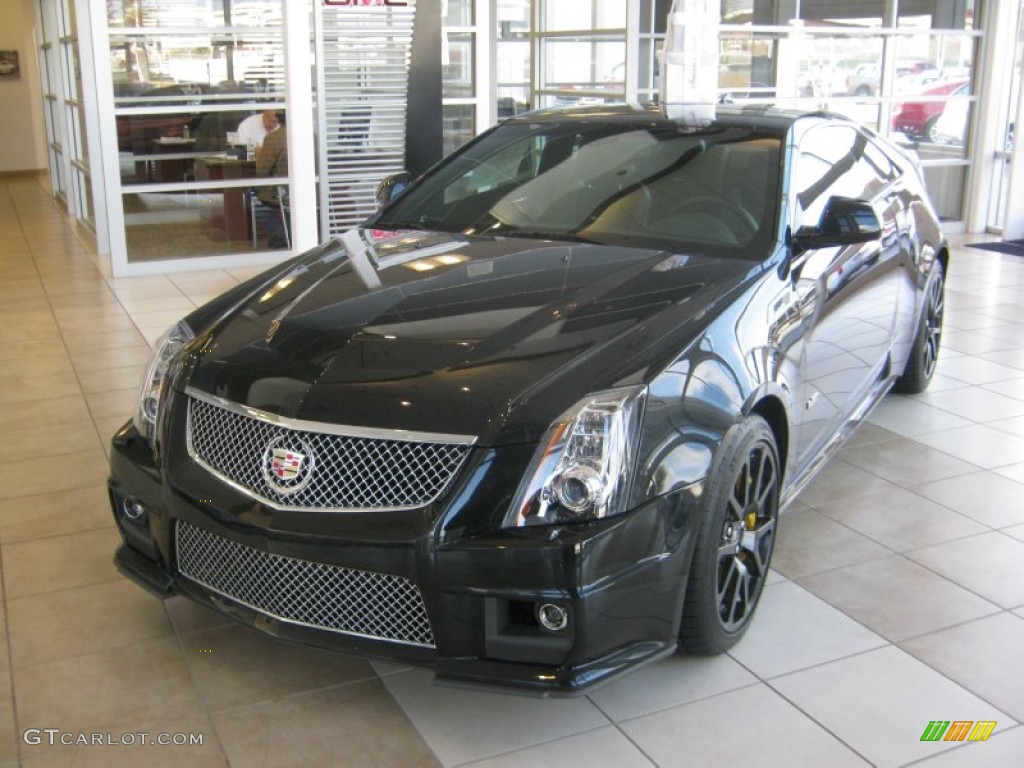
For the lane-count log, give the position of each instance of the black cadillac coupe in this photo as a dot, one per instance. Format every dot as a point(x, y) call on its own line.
point(533, 423)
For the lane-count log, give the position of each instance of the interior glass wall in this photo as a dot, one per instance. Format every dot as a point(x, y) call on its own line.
point(197, 176)
point(580, 52)
point(459, 81)
point(1007, 121)
point(512, 54)
point(902, 67)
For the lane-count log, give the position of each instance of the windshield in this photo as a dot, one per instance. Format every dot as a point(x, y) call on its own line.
point(651, 184)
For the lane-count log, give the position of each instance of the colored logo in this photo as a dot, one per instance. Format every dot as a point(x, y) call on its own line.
point(958, 730)
point(287, 464)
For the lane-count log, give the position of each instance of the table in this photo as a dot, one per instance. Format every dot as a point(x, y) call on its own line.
point(174, 157)
point(229, 221)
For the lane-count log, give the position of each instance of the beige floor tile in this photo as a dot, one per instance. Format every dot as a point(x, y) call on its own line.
point(119, 403)
point(870, 434)
point(809, 542)
point(19, 349)
point(462, 725)
point(990, 565)
point(179, 304)
point(55, 363)
point(9, 737)
point(57, 473)
point(1002, 749)
point(23, 388)
point(75, 622)
point(897, 598)
point(974, 403)
point(991, 499)
point(88, 341)
point(236, 666)
point(93, 360)
point(1014, 472)
point(908, 417)
point(188, 616)
point(164, 319)
point(880, 702)
point(1014, 426)
point(984, 656)
point(31, 323)
point(17, 444)
point(752, 726)
point(134, 688)
point(901, 520)
point(677, 680)
point(107, 427)
point(111, 379)
point(841, 480)
point(350, 725)
point(793, 629)
point(60, 562)
point(55, 513)
point(978, 444)
point(147, 751)
point(603, 747)
point(906, 462)
point(39, 414)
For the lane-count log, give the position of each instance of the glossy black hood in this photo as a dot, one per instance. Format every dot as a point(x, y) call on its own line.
point(447, 334)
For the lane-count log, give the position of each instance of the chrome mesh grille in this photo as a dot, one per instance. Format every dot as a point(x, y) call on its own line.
point(363, 603)
point(337, 471)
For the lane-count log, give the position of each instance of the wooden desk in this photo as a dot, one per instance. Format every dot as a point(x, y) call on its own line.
point(229, 221)
point(180, 159)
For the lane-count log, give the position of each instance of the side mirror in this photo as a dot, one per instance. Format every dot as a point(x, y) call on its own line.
point(844, 221)
point(392, 186)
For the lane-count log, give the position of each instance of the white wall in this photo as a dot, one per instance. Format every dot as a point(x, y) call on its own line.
point(22, 133)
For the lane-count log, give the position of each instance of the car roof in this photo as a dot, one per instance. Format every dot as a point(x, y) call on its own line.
point(764, 117)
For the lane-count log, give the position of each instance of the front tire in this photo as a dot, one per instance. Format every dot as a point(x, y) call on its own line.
point(924, 355)
point(735, 541)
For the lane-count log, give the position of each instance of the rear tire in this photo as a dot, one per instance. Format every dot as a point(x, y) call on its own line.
point(740, 508)
point(924, 354)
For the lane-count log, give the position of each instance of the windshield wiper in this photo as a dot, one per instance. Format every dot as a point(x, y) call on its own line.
point(543, 234)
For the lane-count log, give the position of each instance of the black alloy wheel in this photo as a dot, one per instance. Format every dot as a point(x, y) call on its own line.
point(735, 542)
point(924, 355)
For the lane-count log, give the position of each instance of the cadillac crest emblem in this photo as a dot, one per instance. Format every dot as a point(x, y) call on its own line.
point(287, 464)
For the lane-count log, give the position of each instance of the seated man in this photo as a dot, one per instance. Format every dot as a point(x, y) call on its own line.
point(272, 160)
point(254, 129)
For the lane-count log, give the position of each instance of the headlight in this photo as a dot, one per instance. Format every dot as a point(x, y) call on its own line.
point(584, 465)
point(155, 378)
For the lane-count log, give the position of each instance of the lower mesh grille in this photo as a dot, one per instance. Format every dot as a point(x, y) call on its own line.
point(363, 603)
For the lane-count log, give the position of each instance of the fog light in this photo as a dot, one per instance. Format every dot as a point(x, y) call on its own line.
point(133, 509)
point(553, 618)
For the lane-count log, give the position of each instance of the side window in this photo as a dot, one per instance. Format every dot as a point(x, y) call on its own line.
point(880, 163)
point(837, 160)
point(826, 156)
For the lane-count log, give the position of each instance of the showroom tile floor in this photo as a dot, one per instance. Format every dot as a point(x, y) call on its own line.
point(897, 598)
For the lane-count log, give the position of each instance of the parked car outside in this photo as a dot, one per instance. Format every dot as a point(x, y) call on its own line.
point(951, 125)
point(533, 423)
point(917, 119)
point(866, 79)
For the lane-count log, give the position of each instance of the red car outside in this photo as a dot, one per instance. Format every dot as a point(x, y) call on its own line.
point(916, 119)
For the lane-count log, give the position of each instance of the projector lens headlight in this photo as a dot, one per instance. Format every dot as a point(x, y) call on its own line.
point(155, 379)
point(584, 465)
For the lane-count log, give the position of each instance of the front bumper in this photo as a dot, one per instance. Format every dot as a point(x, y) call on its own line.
point(620, 581)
